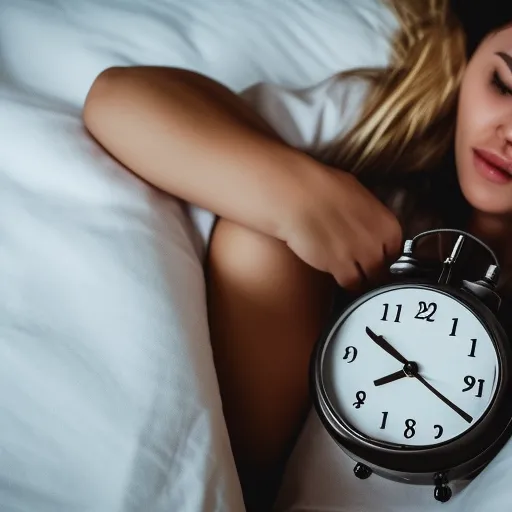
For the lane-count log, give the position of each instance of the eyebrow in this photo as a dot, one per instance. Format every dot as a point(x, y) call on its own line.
point(507, 58)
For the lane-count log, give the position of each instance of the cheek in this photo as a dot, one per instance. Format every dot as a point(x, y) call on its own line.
point(475, 116)
point(463, 130)
point(478, 114)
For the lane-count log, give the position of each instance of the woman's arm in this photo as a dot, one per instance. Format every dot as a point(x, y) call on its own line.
point(194, 138)
point(197, 140)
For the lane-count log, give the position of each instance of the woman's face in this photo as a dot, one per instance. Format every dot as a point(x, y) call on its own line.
point(483, 141)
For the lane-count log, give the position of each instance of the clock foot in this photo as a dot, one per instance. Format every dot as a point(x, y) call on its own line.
point(361, 471)
point(442, 492)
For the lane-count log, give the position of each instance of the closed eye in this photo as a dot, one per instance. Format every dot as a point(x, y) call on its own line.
point(500, 85)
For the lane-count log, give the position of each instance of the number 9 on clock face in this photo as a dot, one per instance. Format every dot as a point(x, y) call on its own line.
point(410, 366)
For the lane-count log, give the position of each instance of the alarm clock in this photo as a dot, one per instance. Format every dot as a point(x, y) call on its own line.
point(412, 379)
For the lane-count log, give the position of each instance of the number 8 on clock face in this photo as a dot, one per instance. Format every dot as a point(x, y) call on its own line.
point(442, 389)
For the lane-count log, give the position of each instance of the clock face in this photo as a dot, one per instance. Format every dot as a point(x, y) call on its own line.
point(446, 387)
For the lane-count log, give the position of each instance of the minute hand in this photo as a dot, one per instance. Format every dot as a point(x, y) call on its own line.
point(449, 403)
point(385, 345)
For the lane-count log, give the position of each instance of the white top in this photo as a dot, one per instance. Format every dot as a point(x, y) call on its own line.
point(307, 118)
point(304, 118)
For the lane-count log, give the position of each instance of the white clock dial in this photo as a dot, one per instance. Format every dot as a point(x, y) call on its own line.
point(454, 354)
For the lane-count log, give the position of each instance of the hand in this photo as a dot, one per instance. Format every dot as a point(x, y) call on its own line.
point(341, 228)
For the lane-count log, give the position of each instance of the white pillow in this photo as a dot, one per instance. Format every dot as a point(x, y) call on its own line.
point(57, 48)
point(108, 395)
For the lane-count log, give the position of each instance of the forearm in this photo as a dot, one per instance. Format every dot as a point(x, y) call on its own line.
point(195, 139)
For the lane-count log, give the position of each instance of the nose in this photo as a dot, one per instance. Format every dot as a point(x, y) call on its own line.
point(505, 134)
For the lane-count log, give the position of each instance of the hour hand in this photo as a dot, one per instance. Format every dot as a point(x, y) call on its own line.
point(385, 345)
point(390, 378)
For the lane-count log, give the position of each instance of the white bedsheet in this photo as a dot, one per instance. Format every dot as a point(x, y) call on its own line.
point(320, 478)
point(108, 398)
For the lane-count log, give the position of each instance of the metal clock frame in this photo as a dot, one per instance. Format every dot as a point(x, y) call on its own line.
point(459, 457)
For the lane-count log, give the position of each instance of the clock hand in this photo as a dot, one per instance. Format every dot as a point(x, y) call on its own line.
point(390, 378)
point(385, 345)
point(459, 411)
point(409, 370)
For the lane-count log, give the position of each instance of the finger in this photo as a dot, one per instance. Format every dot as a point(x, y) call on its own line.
point(384, 273)
point(393, 240)
point(364, 277)
point(373, 268)
point(348, 275)
point(372, 260)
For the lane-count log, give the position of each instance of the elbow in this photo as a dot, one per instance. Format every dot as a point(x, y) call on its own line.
point(116, 86)
point(103, 89)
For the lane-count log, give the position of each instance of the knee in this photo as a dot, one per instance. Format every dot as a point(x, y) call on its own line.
point(255, 268)
point(240, 253)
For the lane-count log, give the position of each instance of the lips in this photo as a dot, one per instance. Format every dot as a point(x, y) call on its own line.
point(493, 167)
point(495, 160)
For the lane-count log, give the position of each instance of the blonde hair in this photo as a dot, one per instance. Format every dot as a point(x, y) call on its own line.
point(407, 124)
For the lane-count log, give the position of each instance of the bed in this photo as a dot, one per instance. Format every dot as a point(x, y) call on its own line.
point(108, 395)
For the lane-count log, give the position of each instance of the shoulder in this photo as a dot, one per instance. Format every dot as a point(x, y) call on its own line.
point(312, 116)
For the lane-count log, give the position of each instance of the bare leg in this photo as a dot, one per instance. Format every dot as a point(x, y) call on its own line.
point(266, 310)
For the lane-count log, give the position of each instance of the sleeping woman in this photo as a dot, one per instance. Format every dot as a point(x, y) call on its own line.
point(315, 189)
